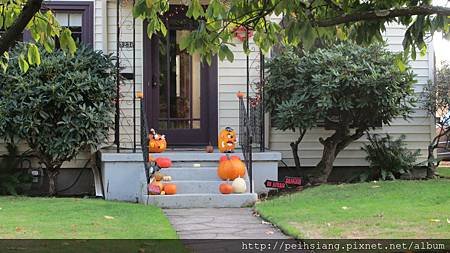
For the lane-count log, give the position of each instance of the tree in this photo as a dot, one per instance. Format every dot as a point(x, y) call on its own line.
point(347, 88)
point(304, 22)
point(436, 102)
point(19, 15)
point(58, 113)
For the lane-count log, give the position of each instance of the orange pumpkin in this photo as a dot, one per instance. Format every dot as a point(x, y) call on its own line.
point(225, 188)
point(232, 157)
point(240, 94)
point(227, 140)
point(163, 162)
point(157, 143)
point(231, 168)
point(170, 189)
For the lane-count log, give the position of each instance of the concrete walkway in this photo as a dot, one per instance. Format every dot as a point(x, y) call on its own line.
point(221, 223)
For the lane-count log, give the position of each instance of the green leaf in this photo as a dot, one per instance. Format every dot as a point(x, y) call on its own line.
point(34, 56)
point(23, 64)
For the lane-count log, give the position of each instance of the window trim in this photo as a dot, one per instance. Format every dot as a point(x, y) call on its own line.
point(86, 7)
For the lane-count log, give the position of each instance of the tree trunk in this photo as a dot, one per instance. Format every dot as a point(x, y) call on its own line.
point(431, 168)
point(325, 166)
point(52, 181)
point(294, 148)
point(12, 33)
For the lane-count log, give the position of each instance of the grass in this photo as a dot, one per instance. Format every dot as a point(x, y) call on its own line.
point(444, 171)
point(74, 218)
point(381, 210)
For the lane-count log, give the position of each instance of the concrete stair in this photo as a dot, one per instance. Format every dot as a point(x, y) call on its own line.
point(198, 185)
point(194, 173)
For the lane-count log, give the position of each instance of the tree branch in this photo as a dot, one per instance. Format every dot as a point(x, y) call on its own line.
point(13, 32)
point(383, 14)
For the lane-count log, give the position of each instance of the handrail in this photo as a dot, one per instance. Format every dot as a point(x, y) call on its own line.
point(144, 138)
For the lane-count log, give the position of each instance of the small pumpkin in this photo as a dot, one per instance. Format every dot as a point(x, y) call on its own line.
point(163, 162)
point(163, 193)
point(227, 140)
point(240, 94)
point(170, 189)
point(209, 148)
point(157, 143)
point(239, 185)
point(225, 188)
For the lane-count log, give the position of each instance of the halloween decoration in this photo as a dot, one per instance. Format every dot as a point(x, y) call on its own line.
point(163, 162)
point(157, 143)
point(158, 183)
point(158, 176)
point(230, 168)
point(240, 94)
point(239, 185)
point(209, 148)
point(154, 189)
point(225, 188)
point(289, 182)
point(241, 33)
point(170, 189)
point(227, 140)
point(139, 94)
point(167, 178)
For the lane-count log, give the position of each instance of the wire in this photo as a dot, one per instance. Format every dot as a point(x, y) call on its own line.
point(76, 179)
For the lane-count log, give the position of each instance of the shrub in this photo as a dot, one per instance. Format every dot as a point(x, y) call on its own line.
point(349, 88)
point(60, 107)
point(10, 176)
point(389, 157)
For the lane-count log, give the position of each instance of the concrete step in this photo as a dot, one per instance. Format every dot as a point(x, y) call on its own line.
point(200, 186)
point(201, 200)
point(189, 173)
point(195, 164)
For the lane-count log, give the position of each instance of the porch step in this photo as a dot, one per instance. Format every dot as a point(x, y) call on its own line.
point(201, 200)
point(199, 186)
point(189, 173)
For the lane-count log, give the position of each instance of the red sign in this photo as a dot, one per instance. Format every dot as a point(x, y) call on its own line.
point(293, 180)
point(275, 184)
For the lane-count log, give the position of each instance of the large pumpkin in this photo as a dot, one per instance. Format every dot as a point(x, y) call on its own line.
point(225, 188)
point(170, 189)
point(230, 168)
point(227, 140)
point(157, 143)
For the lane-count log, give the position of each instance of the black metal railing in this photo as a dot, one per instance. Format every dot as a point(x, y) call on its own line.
point(144, 140)
point(251, 132)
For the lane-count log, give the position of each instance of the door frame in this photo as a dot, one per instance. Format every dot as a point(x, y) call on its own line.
point(211, 77)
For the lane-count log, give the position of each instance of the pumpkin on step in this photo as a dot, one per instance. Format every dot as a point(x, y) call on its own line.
point(239, 185)
point(157, 143)
point(230, 168)
point(170, 189)
point(163, 162)
point(225, 188)
point(227, 140)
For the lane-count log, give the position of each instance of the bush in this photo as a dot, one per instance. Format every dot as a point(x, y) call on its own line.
point(347, 88)
point(60, 107)
point(10, 176)
point(388, 157)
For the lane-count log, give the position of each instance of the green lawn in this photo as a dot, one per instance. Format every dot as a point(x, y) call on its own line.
point(60, 218)
point(399, 209)
point(444, 171)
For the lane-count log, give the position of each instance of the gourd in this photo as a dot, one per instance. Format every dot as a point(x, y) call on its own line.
point(163, 162)
point(225, 188)
point(230, 168)
point(170, 189)
point(227, 140)
point(239, 185)
point(157, 143)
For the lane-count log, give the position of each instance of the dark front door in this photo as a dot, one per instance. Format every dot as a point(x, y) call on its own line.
point(181, 91)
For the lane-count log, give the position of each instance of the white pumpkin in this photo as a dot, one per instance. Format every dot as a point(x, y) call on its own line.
point(239, 185)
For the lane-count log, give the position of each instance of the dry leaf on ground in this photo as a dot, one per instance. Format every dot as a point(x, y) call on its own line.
point(108, 217)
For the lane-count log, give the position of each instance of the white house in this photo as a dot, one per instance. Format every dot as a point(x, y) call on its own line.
point(190, 102)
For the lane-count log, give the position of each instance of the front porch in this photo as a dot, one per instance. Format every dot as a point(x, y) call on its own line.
point(193, 171)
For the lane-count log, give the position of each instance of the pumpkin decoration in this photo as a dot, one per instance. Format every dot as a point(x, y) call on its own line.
point(240, 94)
point(157, 143)
point(163, 162)
point(225, 188)
point(170, 189)
point(239, 185)
point(163, 193)
point(153, 189)
point(227, 140)
point(230, 168)
point(209, 148)
point(140, 94)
